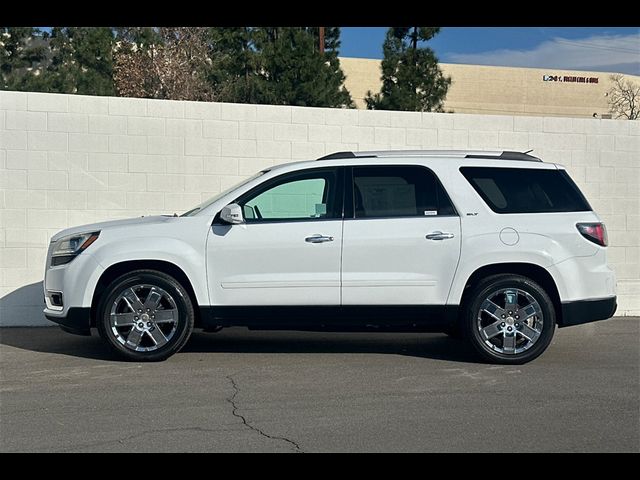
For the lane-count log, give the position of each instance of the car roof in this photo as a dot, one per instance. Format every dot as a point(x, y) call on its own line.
point(391, 154)
point(490, 155)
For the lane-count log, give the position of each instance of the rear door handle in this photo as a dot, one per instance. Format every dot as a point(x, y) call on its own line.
point(438, 235)
point(317, 238)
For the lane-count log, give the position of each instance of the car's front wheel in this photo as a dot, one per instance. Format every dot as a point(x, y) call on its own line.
point(509, 319)
point(145, 315)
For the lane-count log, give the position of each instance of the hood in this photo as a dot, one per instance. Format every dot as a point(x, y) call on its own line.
point(94, 227)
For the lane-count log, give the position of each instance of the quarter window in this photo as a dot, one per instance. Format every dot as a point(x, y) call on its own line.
point(526, 190)
point(398, 191)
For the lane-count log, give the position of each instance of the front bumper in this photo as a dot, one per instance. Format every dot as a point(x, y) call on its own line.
point(585, 311)
point(77, 320)
point(75, 283)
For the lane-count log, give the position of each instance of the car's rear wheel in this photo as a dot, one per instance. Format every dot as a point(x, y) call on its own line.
point(509, 319)
point(145, 315)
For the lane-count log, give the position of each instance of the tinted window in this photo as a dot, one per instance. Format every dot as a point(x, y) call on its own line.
point(526, 190)
point(299, 196)
point(398, 191)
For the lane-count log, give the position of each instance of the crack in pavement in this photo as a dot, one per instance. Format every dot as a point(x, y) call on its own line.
point(235, 413)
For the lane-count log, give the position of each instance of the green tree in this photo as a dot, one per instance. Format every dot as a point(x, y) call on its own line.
point(292, 70)
point(23, 51)
point(81, 60)
point(276, 65)
point(411, 77)
point(234, 65)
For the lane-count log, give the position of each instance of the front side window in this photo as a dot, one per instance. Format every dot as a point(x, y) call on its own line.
point(298, 196)
point(398, 191)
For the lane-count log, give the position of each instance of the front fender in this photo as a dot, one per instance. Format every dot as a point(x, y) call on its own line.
point(184, 255)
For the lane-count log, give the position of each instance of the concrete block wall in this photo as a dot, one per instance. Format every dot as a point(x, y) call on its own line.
point(68, 160)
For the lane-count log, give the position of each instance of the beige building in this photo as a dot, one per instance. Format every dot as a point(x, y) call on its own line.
point(502, 90)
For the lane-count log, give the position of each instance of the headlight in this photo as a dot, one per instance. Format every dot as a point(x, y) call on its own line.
point(68, 248)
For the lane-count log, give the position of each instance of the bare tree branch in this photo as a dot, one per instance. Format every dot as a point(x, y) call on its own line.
point(624, 98)
point(168, 70)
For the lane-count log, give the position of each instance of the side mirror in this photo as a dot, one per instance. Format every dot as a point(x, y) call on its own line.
point(232, 214)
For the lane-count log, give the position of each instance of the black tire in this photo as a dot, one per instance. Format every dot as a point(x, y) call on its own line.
point(471, 310)
point(183, 309)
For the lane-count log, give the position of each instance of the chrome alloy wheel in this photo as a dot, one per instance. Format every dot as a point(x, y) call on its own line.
point(144, 317)
point(510, 321)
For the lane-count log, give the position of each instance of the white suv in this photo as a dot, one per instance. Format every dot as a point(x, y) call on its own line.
point(497, 247)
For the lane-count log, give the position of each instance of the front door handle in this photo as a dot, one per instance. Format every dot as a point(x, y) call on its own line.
point(317, 238)
point(438, 235)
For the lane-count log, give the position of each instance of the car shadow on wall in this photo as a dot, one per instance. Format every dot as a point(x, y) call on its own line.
point(24, 305)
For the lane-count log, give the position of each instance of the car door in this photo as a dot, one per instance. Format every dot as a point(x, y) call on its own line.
point(401, 244)
point(287, 252)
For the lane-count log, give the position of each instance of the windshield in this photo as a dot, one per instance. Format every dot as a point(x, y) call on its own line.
point(217, 197)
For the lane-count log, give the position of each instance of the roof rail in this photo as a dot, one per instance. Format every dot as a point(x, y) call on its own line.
point(502, 155)
point(508, 155)
point(338, 155)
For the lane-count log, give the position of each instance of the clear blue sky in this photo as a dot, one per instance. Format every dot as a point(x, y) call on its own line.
point(580, 48)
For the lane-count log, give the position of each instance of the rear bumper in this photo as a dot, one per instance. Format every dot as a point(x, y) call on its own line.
point(77, 320)
point(585, 311)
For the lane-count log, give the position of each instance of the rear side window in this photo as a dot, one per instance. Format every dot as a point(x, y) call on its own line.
point(398, 191)
point(526, 190)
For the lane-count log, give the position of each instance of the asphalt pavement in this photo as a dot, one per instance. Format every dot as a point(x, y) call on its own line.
point(245, 391)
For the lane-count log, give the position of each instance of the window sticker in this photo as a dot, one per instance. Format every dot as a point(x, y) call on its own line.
point(321, 209)
point(430, 212)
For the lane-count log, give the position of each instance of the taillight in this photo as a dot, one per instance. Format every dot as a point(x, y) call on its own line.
point(595, 232)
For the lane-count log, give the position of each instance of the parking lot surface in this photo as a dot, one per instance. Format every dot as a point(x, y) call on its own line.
point(244, 391)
